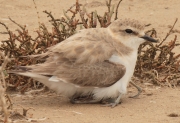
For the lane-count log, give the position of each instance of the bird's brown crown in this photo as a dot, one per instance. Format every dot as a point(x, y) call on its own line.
point(127, 22)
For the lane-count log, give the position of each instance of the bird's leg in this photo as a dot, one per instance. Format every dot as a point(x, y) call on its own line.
point(138, 88)
point(113, 102)
point(84, 100)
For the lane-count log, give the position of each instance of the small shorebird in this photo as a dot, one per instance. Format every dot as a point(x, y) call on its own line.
point(93, 65)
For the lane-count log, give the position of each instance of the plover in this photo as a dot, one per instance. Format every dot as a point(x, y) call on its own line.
point(93, 65)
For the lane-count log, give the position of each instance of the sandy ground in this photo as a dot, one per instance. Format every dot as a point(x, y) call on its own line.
point(153, 105)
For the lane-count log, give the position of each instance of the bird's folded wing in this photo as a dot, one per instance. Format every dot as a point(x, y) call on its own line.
point(96, 75)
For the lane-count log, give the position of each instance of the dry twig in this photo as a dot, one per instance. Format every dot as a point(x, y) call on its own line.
point(3, 103)
point(117, 7)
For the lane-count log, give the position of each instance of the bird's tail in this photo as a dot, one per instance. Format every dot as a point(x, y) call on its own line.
point(37, 56)
point(58, 86)
point(24, 72)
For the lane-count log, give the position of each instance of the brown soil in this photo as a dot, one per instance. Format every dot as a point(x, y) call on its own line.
point(155, 104)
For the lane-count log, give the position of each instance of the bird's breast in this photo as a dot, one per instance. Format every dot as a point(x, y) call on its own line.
point(129, 61)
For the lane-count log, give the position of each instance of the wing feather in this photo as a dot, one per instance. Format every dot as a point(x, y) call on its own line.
point(82, 60)
point(97, 75)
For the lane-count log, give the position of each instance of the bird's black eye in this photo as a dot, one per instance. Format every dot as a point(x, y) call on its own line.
point(128, 31)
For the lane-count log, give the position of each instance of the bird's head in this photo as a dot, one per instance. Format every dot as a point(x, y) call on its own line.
point(129, 32)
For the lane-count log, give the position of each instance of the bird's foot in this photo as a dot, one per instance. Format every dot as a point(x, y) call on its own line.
point(138, 88)
point(84, 100)
point(112, 102)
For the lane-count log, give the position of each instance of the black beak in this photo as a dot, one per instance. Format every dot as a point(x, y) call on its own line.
point(147, 38)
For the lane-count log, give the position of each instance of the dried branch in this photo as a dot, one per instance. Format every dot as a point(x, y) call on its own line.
point(37, 13)
point(108, 4)
point(168, 32)
point(17, 24)
point(3, 87)
point(117, 7)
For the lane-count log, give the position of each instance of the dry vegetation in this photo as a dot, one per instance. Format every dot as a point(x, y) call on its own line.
point(157, 64)
point(3, 86)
